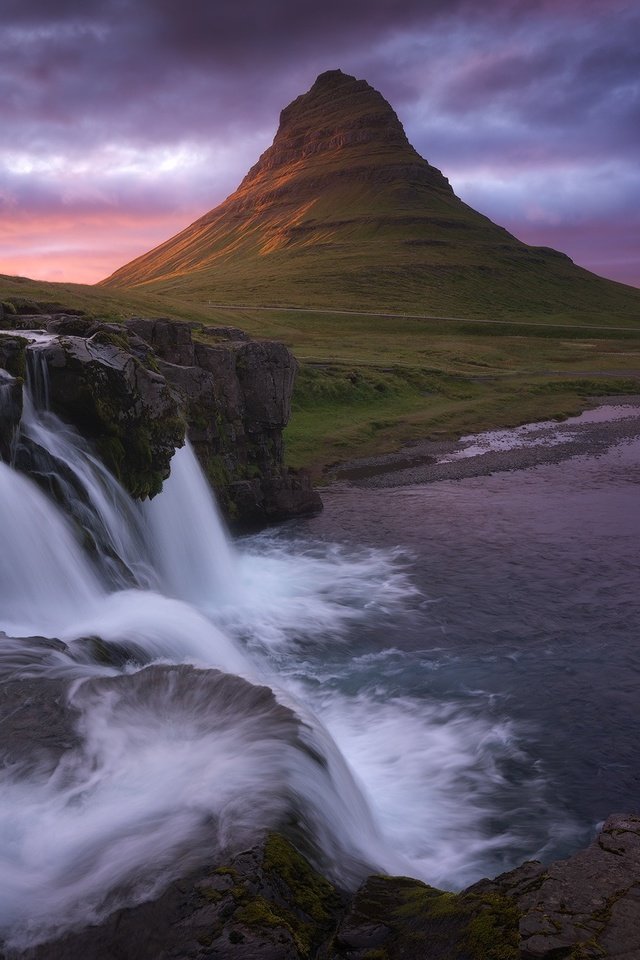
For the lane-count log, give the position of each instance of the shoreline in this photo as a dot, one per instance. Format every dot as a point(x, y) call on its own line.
point(603, 424)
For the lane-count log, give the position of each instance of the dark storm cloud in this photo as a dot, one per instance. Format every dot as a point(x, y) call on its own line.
point(492, 93)
point(156, 68)
point(159, 67)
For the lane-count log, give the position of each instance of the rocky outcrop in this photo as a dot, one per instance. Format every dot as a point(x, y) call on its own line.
point(134, 390)
point(395, 917)
point(268, 903)
point(236, 395)
point(585, 906)
point(122, 405)
point(10, 413)
point(93, 381)
point(264, 904)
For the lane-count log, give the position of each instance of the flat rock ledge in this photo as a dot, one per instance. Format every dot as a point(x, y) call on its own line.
point(269, 903)
point(586, 906)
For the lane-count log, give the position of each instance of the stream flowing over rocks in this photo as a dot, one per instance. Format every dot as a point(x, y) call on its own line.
point(187, 767)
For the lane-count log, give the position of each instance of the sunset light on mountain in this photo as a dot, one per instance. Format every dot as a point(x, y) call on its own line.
point(123, 122)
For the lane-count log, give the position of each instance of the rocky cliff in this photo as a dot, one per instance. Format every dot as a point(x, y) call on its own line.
point(135, 391)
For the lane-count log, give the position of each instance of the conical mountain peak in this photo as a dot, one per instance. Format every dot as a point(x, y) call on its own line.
point(339, 118)
point(341, 211)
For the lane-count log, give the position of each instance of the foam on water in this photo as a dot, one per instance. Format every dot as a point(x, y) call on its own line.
point(176, 763)
point(45, 579)
point(191, 550)
point(431, 773)
point(294, 591)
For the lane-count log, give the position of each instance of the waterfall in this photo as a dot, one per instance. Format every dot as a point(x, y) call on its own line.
point(65, 462)
point(192, 552)
point(164, 758)
point(45, 579)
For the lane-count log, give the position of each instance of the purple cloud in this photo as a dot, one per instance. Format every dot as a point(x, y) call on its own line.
point(160, 108)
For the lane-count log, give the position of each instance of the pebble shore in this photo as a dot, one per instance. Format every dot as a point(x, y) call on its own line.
point(615, 420)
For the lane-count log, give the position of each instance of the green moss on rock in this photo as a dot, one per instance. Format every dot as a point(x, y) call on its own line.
point(408, 918)
point(13, 357)
point(493, 929)
point(261, 913)
point(312, 894)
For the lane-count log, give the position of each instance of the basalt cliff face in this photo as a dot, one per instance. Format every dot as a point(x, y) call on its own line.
point(135, 391)
point(341, 211)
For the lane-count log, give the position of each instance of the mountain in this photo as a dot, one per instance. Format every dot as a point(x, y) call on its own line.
point(342, 212)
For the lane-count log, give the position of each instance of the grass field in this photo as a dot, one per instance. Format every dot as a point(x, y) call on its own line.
point(368, 383)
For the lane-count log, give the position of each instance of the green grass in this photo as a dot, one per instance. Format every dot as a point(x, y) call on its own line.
point(367, 383)
point(343, 412)
point(365, 223)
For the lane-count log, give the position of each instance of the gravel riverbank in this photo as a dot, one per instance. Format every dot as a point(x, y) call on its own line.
point(613, 421)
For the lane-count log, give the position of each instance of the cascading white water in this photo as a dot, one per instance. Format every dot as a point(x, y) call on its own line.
point(45, 579)
point(151, 776)
point(173, 765)
point(91, 493)
point(187, 539)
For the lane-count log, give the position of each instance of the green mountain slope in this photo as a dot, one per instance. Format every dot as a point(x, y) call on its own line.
point(342, 212)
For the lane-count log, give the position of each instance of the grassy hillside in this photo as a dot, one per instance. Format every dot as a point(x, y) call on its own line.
point(341, 212)
point(369, 383)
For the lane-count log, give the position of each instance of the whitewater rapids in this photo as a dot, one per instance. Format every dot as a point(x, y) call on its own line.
point(196, 708)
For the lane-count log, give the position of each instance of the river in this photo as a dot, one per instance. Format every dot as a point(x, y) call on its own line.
point(454, 669)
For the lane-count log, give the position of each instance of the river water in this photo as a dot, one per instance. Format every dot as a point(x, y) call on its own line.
point(520, 655)
point(436, 680)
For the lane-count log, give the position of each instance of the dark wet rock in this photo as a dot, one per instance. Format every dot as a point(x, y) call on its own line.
point(132, 389)
point(268, 902)
point(124, 407)
point(117, 402)
point(264, 904)
point(73, 325)
point(10, 413)
point(237, 400)
point(12, 354)
point(36, 722)
point(585, 906)
point(397, 917)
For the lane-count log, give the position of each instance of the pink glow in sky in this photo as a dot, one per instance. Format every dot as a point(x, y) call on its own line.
point(124, 120)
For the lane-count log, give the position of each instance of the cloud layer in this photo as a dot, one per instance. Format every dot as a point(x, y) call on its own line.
point(123, 120)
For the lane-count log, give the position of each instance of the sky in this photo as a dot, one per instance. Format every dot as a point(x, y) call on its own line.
point(124, 120)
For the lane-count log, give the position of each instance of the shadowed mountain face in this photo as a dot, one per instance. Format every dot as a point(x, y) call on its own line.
point(342, 212)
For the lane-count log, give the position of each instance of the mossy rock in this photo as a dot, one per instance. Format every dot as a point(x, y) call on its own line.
point(23, 306)
point(394, 917)
point(125, 409)
point(271, 901)
point(13, 355)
